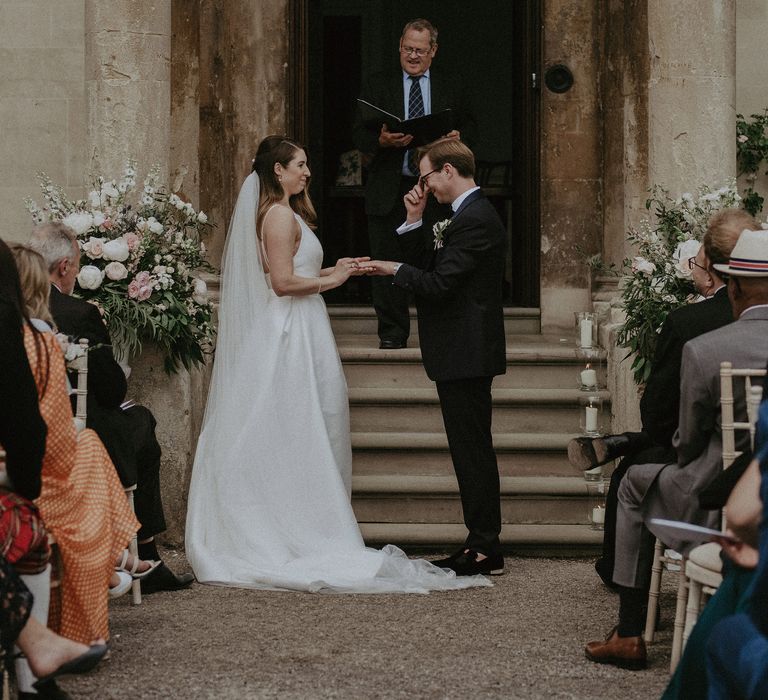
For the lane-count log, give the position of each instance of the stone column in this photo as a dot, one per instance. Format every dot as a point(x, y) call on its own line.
point(128, 88)
point(691, 93)
point(688, 82)
point(128, 82)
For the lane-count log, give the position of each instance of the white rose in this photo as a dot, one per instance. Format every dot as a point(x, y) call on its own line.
point(202, 218)
point(94, 247)
point(98, 218)
point(116, 271)
point(685, 250)
point(89, 277)
point(155, 226)
point(116, 250)
point(79, 222)
point(200, 293)
point(643, 266)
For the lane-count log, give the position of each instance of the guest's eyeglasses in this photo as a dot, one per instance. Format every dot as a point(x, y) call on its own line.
point(692, 263)
point(408, 50)
point(423, 179)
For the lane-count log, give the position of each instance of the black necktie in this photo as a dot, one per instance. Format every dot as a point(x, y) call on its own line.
point(415, 109)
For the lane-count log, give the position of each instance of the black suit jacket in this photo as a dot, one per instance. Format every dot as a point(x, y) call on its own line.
point(660, 404)
point(22, 429)
point(385, 90)
point(74, 317)
point(459, 295)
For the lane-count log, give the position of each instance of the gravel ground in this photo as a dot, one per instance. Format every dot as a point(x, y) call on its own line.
point(524, 638)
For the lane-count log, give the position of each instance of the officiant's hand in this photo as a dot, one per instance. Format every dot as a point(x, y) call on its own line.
point(393, 139)
point(740, 553)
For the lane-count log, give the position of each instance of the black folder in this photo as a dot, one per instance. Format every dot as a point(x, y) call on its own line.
point(424, 129)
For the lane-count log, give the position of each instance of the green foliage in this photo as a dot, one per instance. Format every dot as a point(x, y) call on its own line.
point(752, 152)
point(658, 280)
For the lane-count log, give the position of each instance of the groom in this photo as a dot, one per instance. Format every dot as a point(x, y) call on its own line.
point(461, 330)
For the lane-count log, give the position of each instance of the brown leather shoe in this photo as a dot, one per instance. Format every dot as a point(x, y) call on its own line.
point(624, 652)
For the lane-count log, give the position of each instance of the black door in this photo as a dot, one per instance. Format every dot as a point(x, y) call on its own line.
point(494, 45)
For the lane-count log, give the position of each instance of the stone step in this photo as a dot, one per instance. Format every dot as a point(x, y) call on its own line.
point(395, 409)
point(361, 320)
point(533, 361)
point(435, 499)
point(538, 539)
point(426, 454)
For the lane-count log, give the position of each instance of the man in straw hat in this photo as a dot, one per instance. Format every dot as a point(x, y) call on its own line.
point(670, 490)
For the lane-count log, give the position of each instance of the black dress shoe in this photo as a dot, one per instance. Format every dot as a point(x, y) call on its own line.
point(587, 453)
point(468, 564)
point(46, 686)
point(447, 562)
point(391, 344)
point(47, 691)
point(163, 579)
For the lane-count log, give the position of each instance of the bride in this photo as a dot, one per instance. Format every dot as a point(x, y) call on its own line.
point(269, 501)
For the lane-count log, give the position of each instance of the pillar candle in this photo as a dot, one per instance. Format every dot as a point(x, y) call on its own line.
point(589, 377)
point(585, 332)
point(598, 515)
point(591, 419)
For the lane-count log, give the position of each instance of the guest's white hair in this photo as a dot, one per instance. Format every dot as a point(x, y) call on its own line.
point(54, 241)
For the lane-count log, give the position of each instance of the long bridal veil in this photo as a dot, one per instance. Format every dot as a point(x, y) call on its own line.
point(269, 504)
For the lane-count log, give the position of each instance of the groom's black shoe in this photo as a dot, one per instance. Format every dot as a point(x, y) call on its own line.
point(466, 563)
point(587, 453)
point(392, 344)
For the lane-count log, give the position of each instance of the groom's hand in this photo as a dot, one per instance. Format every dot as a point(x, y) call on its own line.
point(415, 201)
point(381, 268)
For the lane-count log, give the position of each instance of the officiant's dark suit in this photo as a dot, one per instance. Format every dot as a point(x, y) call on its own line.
point(389, 176)
point(458, 291)
point(128, 435)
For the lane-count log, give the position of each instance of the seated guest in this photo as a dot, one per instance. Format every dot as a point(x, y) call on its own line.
point(670, 490)
point(737, 663)
point(128, 435)
point(48, 654)
point(660, 404)
point(23, 538)
point(81, 501)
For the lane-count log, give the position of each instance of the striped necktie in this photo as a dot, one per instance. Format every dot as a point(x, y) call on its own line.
point(415, 109)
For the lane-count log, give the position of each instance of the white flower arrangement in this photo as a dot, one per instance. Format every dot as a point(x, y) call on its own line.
point(658, 278)
point(439, 232)
point(139, 263)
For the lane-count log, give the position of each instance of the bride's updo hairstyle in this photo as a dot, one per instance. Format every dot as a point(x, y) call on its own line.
point(279, 149)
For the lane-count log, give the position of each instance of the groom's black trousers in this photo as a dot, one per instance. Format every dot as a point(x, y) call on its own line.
point(466, 406)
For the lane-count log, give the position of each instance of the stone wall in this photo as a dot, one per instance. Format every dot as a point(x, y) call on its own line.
point(43, 113)
point(571, 160)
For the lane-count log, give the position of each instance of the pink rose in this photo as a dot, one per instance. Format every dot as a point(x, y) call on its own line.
point(108, 224)
point(132, 240)
point(145, 291)
point(142, 278)
point(133, 289)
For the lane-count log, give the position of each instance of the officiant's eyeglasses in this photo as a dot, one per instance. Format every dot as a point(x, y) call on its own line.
point(692, 263)
point(408, 50)
point(423, 178)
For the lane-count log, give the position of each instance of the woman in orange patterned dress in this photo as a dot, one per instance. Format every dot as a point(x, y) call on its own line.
point(82, 501)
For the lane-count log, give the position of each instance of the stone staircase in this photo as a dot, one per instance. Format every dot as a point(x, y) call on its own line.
point(403, 487)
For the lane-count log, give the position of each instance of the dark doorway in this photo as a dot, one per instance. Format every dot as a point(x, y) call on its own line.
point(493, 45)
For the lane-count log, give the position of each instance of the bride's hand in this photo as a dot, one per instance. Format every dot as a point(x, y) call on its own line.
point(362, 266)
point(344, 269)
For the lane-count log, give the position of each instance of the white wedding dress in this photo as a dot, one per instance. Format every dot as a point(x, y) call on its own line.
point(269, 501)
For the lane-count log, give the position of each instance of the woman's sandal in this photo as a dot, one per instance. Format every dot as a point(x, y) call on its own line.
point(123, 587)
point(132, 570)
point(81, 664)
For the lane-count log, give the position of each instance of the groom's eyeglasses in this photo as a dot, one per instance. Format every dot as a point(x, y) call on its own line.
point(423, 178)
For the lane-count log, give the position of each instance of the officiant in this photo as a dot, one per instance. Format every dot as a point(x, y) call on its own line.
point(416, 89)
